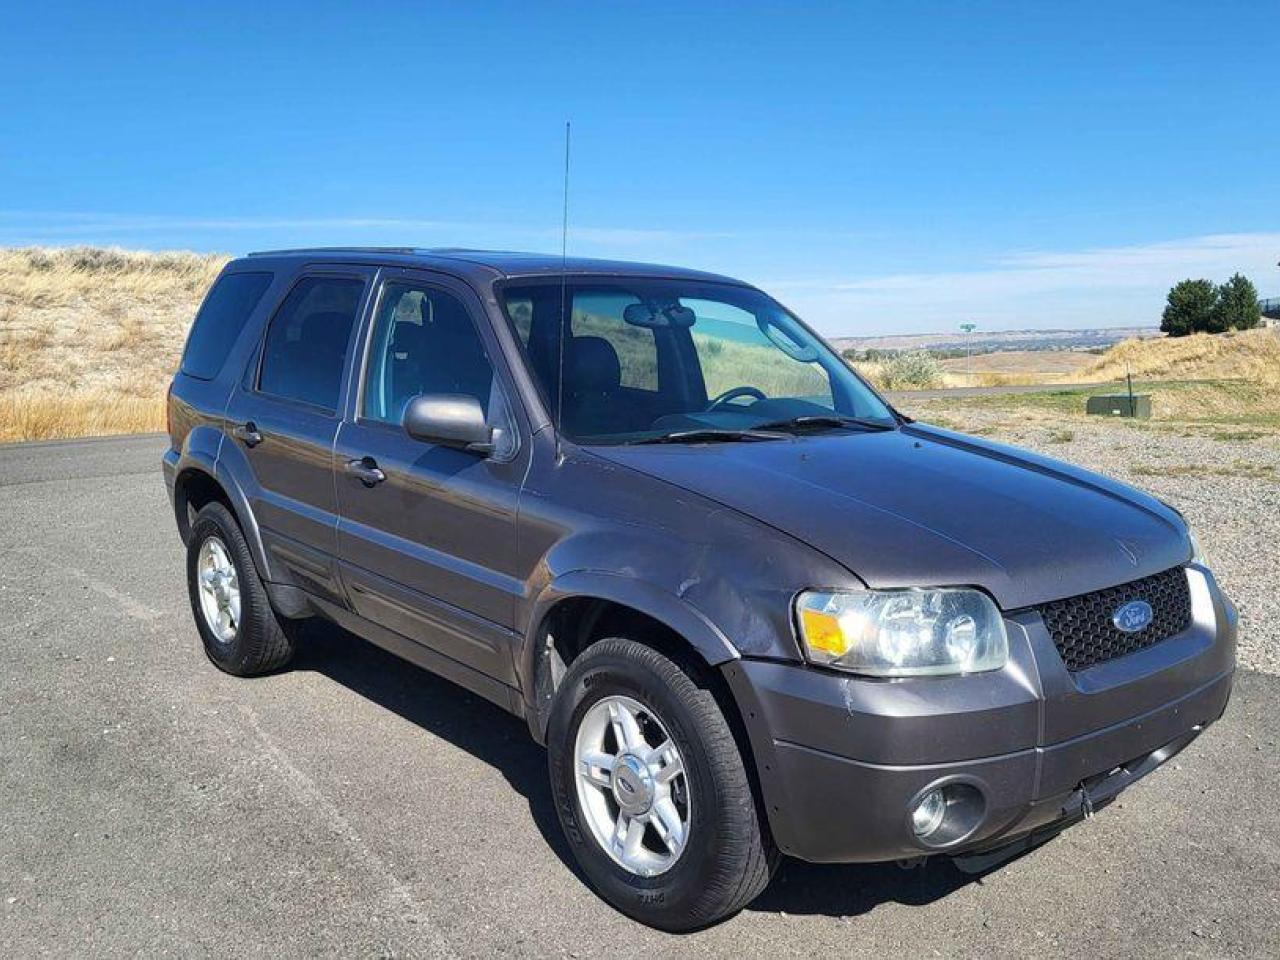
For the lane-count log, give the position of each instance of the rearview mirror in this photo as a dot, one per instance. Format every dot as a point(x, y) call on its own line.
point(658, 316)
point(450, 419)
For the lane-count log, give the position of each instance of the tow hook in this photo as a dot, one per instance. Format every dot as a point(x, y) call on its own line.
point(1086, 803)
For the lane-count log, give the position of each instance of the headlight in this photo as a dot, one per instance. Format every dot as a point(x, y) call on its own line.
point(903, 633)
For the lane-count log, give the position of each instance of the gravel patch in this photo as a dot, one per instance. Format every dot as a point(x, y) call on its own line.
point(1229, 490)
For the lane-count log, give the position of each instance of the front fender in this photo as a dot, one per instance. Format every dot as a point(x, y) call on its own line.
point(647, 598)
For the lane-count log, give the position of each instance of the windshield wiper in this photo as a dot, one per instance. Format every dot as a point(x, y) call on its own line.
point(709, 435)
point(824, 420)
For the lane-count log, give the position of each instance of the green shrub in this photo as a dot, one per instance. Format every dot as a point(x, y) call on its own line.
point(914, 369)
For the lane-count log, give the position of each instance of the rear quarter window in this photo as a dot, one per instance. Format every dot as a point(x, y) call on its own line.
point(221, 318)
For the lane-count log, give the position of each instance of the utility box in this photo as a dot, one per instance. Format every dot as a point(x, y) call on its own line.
point(1120, 405)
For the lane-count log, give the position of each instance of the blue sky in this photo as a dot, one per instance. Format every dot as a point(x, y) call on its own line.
point(881, 167)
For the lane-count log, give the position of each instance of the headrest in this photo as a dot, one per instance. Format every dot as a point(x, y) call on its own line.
point(592, 364)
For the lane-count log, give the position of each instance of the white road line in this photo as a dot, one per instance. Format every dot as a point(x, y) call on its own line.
point(129, 606)
point(309, 795)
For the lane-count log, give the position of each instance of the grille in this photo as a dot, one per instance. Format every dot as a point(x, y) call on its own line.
point(1081, 626)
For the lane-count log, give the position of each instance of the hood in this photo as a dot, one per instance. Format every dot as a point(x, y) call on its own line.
point(922, 506)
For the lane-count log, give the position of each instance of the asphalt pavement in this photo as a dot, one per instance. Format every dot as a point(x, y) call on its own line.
point(355, 805)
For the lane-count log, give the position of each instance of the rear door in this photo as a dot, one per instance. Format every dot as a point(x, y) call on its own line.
point(429, 550)
point(283, 417)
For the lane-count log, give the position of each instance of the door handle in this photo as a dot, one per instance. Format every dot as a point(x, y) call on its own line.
point(366, 471)
point(247, 433)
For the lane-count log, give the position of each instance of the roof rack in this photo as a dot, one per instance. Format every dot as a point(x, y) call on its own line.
point(276, 253)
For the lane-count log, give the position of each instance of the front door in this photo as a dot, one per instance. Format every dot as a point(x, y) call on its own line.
point(426, 534)
point(282, 420)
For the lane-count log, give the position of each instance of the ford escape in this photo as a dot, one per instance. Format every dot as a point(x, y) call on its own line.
point(748, 607)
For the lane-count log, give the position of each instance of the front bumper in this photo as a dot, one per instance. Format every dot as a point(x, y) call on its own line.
point(841, 758)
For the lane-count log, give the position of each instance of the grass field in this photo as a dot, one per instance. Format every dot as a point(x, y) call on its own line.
point(1217, 404)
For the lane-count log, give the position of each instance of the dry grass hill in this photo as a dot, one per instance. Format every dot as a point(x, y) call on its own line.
point(1247, 355)
point(89, 338)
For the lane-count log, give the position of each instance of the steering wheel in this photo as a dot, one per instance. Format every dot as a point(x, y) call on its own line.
point(733, 394)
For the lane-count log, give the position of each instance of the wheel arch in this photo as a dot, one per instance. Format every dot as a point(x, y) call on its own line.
point(194, 487)
point(586, 608)
point(583, 607)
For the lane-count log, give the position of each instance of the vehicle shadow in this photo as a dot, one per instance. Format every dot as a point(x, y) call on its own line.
point(850, 890)
point(439, 707)
point(488, 733)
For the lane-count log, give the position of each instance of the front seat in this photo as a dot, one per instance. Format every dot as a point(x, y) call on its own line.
point(593, 381)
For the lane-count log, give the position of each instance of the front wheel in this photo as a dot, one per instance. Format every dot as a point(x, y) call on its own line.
point(652, 791)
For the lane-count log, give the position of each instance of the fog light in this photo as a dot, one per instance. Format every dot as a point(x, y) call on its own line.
point(927, 815)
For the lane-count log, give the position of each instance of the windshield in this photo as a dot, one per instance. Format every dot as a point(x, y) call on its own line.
point(649, 358)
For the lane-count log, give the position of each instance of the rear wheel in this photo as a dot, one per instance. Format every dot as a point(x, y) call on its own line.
point(652, 790)
point(241, 632)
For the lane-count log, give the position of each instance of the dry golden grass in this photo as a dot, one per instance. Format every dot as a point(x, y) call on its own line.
point(876, 372)
point(1248, 355)
point(41, 277)
point(997, 378)
point(35, 414)
point(89, 337)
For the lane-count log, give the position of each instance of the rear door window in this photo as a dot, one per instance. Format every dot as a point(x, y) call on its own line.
point(305, 352)
point(221, 318)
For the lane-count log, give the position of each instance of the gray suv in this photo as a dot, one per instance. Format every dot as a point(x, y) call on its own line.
point(748, 607)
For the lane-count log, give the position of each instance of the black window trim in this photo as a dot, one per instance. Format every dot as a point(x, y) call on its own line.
point(365, 276)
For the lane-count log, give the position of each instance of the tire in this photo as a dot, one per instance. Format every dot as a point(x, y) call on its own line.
point(255, 641)
point(727, 856)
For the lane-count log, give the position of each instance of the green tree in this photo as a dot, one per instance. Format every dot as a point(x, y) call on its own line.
point(1237, 307)
point(1191, 308)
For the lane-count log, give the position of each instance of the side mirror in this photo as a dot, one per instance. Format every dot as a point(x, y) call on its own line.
point(450, 419)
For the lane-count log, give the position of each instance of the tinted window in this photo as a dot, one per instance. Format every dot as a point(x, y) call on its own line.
point(730, 343)
point(649, 358)
point(521, 311)
point(423, 342)
point(306, 349)
point(220, 320)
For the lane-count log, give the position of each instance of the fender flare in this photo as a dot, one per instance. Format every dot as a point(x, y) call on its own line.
point(200, 462)
point(230, 483)
point(642, 596)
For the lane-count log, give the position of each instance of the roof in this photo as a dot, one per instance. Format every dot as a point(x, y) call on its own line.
point(499, 264)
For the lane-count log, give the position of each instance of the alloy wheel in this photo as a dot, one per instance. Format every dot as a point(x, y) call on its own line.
point(632, 786)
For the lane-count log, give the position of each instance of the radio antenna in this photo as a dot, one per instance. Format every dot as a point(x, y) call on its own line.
point(564, 286)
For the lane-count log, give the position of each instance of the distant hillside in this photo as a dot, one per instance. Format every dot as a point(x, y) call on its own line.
point(992, 341)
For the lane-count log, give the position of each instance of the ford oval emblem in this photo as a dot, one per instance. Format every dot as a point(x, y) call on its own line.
point(1133, 616)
